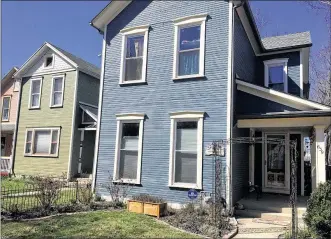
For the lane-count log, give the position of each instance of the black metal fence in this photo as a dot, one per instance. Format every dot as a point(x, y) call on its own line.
point(31, 197)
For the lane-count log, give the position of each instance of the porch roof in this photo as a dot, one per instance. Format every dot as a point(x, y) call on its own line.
point(286, 119)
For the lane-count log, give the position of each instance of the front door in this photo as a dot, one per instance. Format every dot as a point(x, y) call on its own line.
point(276, 164)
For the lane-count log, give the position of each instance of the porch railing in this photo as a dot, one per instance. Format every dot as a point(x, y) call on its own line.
point(5, 164)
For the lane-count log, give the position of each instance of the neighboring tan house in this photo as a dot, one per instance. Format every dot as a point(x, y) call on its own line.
point(9, 100)
point(57, 118)
point(177, 76)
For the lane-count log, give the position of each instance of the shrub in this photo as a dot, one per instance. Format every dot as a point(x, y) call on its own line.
point(84, 194)
point(147, 198)
point(48, 190)
point(318, 215)
point(118, 190)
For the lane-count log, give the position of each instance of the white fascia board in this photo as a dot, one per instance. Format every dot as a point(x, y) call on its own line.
point(38, 54)
point(279, 97)
point(108, 14)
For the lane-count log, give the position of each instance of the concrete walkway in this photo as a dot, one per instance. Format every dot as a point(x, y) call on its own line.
point(256, 228)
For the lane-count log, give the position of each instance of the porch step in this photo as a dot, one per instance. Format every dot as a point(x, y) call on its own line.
point(266, 215)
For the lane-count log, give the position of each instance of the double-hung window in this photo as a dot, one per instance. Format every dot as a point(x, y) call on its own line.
point(57, 91)
point(134, 55)
point(35, 93)
point(185, 167)
point(5, 108)
point(128, 152)
point(189, 52)
point(42, 142)
point(275, 74)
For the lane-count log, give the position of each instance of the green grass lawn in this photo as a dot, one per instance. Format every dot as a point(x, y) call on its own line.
point(120, 224)
point(14, 184)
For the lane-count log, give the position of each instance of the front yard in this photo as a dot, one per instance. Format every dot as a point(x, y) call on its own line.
point(119, 224)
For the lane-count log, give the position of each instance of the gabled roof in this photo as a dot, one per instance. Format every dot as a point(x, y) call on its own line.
point(286, 41)
point(9, 75)
point(74, 61)
point(269, 44)
point(280, 97)
point(92, 111)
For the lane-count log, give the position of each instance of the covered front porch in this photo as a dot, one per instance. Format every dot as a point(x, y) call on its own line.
point(270, 164)
point(7, 136)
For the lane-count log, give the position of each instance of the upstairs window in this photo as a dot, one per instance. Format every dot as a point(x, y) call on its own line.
point(275, 74)
point(189, 52)
point(57, 91)
point(134, 55)
point(5, 108)
point(35, 93)
point(49, 61)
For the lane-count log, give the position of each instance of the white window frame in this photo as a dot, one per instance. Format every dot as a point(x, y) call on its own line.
point(276, 62)
point(129, 32)
point(190, 21)
point(33, 130)
point(51, 105)
point(41, 83)
point(184, 117)
point(121, 119)
point(3, 99)
point(45, 60)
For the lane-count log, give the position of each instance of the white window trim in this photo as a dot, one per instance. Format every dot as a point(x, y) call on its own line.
point(128, 118)
point(52, 92)
point(3, 98)
point(195, 20)
point(180, 117)
point(276, 62)
point(45, 59)
point(41, 83)
point(50, 143)
point(141, 30)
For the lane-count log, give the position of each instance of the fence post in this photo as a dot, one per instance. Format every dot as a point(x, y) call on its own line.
point(76, 191)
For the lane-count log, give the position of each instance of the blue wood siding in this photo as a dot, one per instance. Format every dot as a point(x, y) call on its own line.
point(293, 70)
point(161, 95)
point(251, 104)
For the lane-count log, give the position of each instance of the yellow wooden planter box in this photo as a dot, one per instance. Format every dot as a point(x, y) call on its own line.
point(148, 208)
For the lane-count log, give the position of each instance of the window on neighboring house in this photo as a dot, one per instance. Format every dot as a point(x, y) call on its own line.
point(134, 55)
point(186, 150)
point(276, 74)
point(5, 108)
point(49, 60)
point(129, 146)
point(42, 142)
point(57, 91)
point(189, 47)
point(35, 93)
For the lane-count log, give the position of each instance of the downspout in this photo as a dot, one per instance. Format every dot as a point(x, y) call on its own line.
point(230, 85)
point(16, 126)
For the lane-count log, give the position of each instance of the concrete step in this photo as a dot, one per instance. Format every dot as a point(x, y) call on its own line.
point(259, 235)
point(280, 208)
point(265, 215)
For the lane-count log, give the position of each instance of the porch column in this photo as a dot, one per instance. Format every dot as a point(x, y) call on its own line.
point(251, 157)
point(318, 157)
point(80, 151)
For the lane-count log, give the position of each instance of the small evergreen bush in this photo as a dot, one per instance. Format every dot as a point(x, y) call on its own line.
point(318, 215)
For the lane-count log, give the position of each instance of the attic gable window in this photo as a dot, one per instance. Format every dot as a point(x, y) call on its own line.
point(189, 51)
point(134, 55)
point(275, 74)
point(49, 61)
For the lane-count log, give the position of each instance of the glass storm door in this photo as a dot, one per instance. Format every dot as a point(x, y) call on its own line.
point(275, 163)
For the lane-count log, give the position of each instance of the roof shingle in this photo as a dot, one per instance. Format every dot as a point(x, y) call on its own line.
point(286, 41)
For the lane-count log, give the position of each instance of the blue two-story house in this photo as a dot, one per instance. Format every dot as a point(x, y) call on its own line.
point(177, 76)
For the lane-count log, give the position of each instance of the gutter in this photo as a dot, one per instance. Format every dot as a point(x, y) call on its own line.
point(286, 115)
